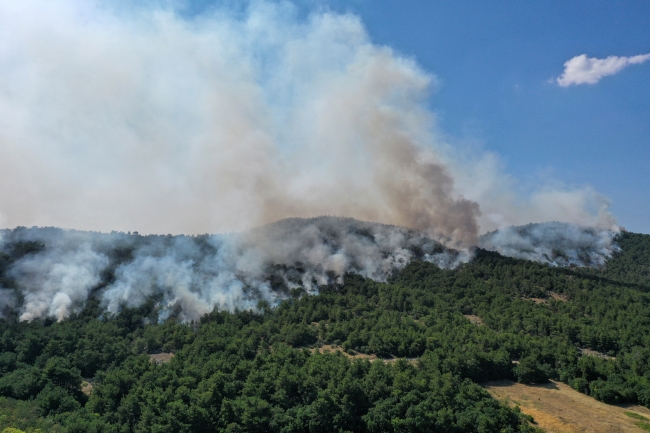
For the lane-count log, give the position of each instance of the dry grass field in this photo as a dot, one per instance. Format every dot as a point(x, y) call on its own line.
point(557, 408)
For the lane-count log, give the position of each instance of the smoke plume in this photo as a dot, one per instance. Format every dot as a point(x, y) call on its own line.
point(121, 117)
point(54, 271)
point(190, 276)
point(555, 244)
point(118, 117)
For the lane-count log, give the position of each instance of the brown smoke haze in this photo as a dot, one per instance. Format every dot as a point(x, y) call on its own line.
point(119, 119)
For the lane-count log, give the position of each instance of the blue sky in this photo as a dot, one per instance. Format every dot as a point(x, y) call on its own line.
point(493, 61)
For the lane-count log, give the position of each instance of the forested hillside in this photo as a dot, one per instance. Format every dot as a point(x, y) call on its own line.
point(437, 335)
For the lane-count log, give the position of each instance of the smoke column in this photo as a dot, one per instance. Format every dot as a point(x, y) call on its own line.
point(121, 117)
point(117, 117)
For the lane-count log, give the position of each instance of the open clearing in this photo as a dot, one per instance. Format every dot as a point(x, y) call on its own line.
point(87, 386)
point(161, 358)
point(558, 408)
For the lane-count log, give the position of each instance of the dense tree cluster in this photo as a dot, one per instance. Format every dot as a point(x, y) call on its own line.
point(262, 371)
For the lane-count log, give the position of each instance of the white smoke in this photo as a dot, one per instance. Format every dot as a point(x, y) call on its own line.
point(555, 244)
point(57, 281)
point(118, 118)
point(191, 276)
point(237, 271)
point(115, 117)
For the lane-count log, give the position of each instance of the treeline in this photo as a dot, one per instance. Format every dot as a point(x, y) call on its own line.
point(247, 371)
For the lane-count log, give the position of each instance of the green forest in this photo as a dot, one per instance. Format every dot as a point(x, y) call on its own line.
point(261, 371)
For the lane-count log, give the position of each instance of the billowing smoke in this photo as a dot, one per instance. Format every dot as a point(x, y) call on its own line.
point(555, 244)
point(57, 280)
point(53, 272)
point(190, 276)
point(121, 117)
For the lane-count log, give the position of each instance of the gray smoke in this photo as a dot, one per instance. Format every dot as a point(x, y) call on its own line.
point(122, 117)
point(555, 244)
point(56, 278)
point(135, 117)
point(191, 276)
point(54, 282)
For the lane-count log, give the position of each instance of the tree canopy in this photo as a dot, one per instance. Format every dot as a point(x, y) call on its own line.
point(266, 370)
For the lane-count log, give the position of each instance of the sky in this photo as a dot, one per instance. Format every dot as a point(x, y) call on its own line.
point(192, 116)
point(493, 62)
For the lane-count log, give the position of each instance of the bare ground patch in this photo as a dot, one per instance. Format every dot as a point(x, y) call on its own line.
point(537, 300)
point(589, 352)
point(473, 319)
point(550, 295)
point(557, 408)
point(161, 358)
point(558, 297)
point(87, 386)
point(330, 348)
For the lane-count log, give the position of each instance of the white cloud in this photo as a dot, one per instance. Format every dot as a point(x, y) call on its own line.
point(589, 70)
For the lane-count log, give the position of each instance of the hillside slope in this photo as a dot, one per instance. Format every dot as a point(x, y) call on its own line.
point(491, 319)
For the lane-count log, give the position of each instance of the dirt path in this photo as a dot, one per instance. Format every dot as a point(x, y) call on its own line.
point(557, 408)
point(329, 348)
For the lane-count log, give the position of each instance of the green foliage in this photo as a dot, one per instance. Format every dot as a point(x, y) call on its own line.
point(635, 416)
point(54, 399)
point(25, 416)
point(12, 430)
point(259, 371)
point(530, 370)
point(643, 425)
point(633, 264)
